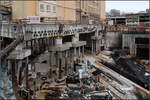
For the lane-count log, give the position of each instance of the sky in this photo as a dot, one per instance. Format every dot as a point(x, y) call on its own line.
point(127, 6)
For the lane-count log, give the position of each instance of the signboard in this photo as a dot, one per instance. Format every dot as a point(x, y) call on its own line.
point(90, 21)
point(33, 19)
point(110, 22)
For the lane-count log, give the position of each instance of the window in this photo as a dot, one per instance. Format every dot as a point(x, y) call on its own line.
point(83, 4)
point(41, 7)
point(48, 8)
point(54, 9)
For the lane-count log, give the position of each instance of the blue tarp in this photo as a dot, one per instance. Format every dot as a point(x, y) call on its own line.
point(6, 91)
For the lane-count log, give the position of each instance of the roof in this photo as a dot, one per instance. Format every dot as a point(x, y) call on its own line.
point(138, 14)
point(116, 17)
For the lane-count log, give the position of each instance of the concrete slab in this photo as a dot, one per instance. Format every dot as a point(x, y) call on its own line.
point(62, 47)
point(96, 37)
point(78, 43)
point(19, 55)
point(44, 68)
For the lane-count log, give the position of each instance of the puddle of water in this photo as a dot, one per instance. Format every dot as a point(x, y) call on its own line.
point(6, 90)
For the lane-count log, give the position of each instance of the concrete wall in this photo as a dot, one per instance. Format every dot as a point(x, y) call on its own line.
point(31, 8)
point(113, 40)
point(45, 13)
point(18, 10)
point(127, 38)
point(66, 10)
point(128, 41)
point(22, 9)
point(102, 10)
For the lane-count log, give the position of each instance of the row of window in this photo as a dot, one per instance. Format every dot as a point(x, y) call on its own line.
point(47, 8)
point(93, 10)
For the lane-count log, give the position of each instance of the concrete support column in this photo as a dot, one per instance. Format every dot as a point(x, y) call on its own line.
point(47, 43)
point(5, 60)
point(57, 63)
point(0, 50)
point(31, 41)
point(9, 67)
point(60, 67)
point(39, 45)
point(58, 40)
point(79, 52)
point(50, 41)
point(71, 59)
point(44, 42)
point(33, 44)
point(53, 41)
point(100, 45)
point(92, 47)
point(82, 51)
point(20, 73)
point(0, 61)
point(79, 55)
point(66, 62)
point(26, 66)
point(75, 53)
point(50, 62)
point(13, 71)
point(26, 44)
point(18, 70)
point(96, 46)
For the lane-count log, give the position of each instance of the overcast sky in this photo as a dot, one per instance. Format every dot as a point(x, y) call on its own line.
point(127, 5)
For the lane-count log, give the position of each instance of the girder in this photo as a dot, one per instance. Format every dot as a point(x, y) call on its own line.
point(34, 31)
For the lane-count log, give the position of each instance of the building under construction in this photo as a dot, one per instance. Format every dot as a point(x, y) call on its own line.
point(73, 61)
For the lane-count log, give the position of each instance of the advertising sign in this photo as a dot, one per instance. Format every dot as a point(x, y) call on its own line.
point(33, 19)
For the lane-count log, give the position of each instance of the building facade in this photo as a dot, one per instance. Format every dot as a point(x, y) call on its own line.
point(142, 19)
point(5, 10)
point(61, 10)
point(90, 10)
point(46, 10)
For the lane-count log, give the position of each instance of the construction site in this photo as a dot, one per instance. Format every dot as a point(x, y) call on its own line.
point(73, 60)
